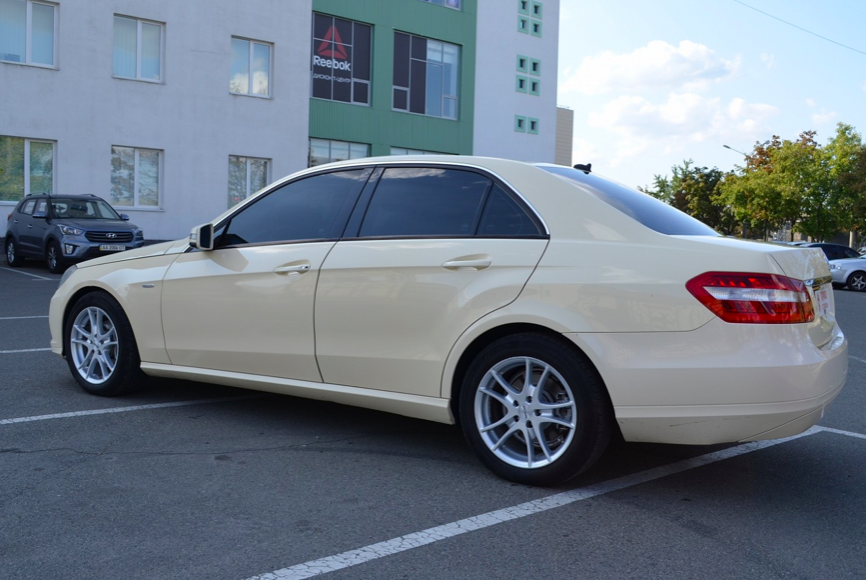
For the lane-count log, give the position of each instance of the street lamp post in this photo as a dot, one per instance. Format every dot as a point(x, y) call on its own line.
point(737, 150)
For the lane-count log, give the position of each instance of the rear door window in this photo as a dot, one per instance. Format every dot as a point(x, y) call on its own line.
point(426, 201)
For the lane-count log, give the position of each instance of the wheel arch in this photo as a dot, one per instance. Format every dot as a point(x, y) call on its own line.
point(452, 386)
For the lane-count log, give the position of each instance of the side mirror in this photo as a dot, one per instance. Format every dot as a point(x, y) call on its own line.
point(124, 217)
point(201, 237)
point(40, 215)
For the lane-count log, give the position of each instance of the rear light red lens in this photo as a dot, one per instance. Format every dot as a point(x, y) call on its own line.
point(753, 298)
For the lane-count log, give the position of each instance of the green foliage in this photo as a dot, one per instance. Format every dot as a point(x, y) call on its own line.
point(818, 190)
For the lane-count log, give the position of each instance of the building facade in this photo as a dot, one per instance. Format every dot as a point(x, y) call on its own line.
point(175, 111)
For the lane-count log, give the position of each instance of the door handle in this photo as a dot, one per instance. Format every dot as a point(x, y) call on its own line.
point(473, 264)
point(293, 268)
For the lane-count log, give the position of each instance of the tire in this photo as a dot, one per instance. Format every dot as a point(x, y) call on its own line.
point(566, 415)
point(54, 258)
point(13, 258)
point(100, 347)
point(857, 281)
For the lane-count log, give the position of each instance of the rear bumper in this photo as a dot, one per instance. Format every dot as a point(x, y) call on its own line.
point(721, 383)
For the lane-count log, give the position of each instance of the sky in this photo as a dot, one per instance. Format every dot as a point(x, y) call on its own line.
point(655, 82)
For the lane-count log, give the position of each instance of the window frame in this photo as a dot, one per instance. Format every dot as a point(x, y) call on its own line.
point(138, 51)
point(26, 191)
point(355, 80)
point(248, 190)
point(250, 59)
point(136, 182)
point(442, 96)
point(330, 149)
point(28, 37)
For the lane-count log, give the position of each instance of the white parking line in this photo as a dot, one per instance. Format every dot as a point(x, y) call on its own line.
point(431, 535)
point(126, 409)
point(20, 317)
point(27, 274)
point(862, 360)
point(24, 350)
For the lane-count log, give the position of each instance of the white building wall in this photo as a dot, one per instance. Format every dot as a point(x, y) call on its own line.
point(497, 101)
point(190, 116)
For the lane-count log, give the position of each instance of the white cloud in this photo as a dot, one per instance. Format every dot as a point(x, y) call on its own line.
point(823, 117)
point(810, 103)
point(864, 87)
point(769, 60)
point(685, 118)
point(656, 66)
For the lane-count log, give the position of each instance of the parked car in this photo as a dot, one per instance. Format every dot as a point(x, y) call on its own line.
point(539, 307)
point(65, 229)
point(850, 272)
point(833, 251)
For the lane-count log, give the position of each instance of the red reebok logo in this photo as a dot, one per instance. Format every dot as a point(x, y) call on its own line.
point(339, 51)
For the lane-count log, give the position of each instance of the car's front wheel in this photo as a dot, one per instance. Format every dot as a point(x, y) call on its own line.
point(857, 281)
point(100, 347)
point(54, 258)
point(534, 410)
point(13, 258)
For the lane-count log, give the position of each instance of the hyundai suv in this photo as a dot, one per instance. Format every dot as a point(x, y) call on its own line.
point(65, 229)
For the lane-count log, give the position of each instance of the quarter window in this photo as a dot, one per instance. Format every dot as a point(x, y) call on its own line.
point(135, 177)
point(137, 49)
point(27, 32)
point(341, 60)
point(426, 74)
point(503, 217)
point(250, 68)
point(424, 201)
point(247, 175)
point(314, 208)
point(26, 166)
point(325, 151)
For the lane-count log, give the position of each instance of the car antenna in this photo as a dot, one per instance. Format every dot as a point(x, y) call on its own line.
point(585, 168)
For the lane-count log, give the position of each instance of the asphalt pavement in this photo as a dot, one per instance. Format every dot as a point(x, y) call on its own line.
point(188, 481)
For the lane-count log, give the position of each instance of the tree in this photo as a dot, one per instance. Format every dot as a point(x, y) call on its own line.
point(694, 190)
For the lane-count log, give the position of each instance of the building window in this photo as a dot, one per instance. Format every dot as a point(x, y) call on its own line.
point(247, 175)
point(135, 177)
point(520, 124)
point(534, 87)
point(532, 126)
point(522, 63)
point(26, 166)
point(449, 3)
point(27, 32)
point(537, 10)
point(341, 60)
point(137, 49)
point(250, 68)
point(325, 151)
point(406, 151)
point(535, 67)
point(536, 28)
point(523, 6)
point(521, 84)
point(523, 24)
point(425, 76)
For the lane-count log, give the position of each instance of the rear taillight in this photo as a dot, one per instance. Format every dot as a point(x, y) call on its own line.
point(753, 298)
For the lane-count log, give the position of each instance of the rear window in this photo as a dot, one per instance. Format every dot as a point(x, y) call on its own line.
point(641, 207)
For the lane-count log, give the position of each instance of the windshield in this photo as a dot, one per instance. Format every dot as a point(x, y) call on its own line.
point(82, 209)
point(641, 207)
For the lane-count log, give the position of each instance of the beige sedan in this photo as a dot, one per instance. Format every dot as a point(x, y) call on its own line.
point(541, 308)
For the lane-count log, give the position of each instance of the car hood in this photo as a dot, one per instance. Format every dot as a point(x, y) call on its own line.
point(97, 225)
point(175, 247)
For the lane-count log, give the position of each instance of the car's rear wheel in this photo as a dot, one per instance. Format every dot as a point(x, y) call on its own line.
point(100, 347)
point(13, 258)
point(54, 258)
point(534, 410)
point(857, 281)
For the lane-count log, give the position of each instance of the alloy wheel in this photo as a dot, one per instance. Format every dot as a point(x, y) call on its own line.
point(525, 412)
point(94, 345)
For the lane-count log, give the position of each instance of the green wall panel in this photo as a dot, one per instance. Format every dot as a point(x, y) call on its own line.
point(377, 124)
